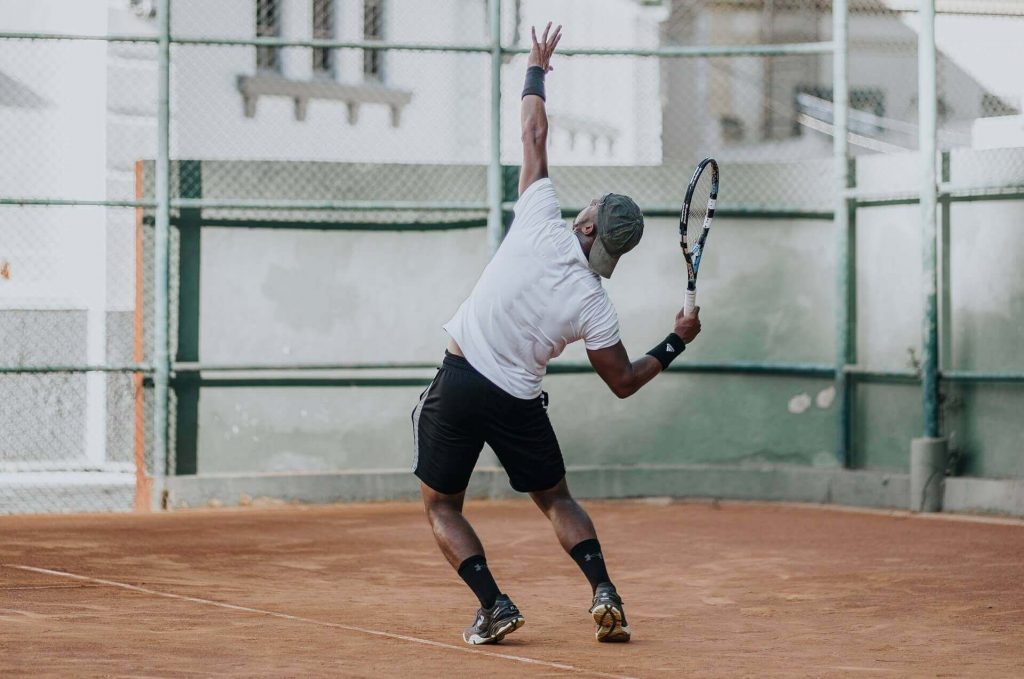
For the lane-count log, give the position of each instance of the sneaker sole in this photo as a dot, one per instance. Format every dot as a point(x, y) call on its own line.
point(506, 629)
point(608, 619)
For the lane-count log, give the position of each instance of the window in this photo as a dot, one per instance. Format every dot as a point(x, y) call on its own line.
point(323, 29)
point(373, 29)
point(268, 25)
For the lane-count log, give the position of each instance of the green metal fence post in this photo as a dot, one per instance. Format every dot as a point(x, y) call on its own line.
point(927, 111)
point(928, 454)
point(846, 347)
point(841, 221)
point(509, 194)
point(186, 386)
point(945, 303)
point(495, 225)
point(161, 262)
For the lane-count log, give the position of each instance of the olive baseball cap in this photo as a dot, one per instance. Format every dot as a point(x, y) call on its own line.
point(620, 225)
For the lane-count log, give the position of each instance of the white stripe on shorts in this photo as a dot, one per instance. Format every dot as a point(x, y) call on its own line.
point(416, 424)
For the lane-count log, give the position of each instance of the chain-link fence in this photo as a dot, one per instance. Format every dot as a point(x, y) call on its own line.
point(379, 131)
point(79, 115)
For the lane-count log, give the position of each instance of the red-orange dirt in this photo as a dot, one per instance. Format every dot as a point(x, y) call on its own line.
point(731, 591)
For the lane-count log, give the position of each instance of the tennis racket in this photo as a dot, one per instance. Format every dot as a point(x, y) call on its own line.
point(695, 223)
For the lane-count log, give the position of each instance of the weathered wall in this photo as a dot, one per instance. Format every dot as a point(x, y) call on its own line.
point(766, 295)
point(275, 296)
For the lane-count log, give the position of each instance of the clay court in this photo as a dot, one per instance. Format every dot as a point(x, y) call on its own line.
point(360, 590)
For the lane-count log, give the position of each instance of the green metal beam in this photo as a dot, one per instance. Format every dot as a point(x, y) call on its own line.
point(668, 51)
point(679, 51)
point(843, 215)
point(75, 202)
point(186, 387)
point(381, 227)
point(973, 376)
point(945, 270)
point(43, 369)
point(727, 211)
point(161, 263)
point(495, 221)
point(8, 35)
point(862, 200)
point(729, 367)
point(194, 367)
point(351, 205)
point(948, 192)
point(267, 381)
point(872, 375)
point(927, 143)
point(725, 367)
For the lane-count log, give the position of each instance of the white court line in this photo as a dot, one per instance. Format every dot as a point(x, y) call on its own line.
point(322, 623)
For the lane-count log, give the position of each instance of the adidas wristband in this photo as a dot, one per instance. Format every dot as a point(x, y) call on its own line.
point(668, 349)
point(534, 82)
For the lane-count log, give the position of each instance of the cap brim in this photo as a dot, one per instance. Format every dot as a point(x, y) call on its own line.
point(601, 260)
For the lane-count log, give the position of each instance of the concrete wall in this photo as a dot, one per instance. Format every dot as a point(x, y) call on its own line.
point(766, 294)
point(351, 297)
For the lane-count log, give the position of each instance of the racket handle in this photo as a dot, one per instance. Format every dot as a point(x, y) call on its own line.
point(691, 301)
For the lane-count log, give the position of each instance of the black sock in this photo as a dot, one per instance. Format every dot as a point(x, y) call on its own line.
point(589, 558)
point(478, 576)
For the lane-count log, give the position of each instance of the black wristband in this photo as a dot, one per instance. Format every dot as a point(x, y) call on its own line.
point(534, 82)
point(669, 348)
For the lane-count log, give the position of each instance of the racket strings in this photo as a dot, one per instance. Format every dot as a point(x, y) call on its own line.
point(698, 210)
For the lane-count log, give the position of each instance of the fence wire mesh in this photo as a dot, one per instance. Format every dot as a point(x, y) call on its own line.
point(314, 136)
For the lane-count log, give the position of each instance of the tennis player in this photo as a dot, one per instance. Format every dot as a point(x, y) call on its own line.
point(541, 291)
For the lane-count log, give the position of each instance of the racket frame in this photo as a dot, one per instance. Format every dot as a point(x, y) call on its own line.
point(692, 258)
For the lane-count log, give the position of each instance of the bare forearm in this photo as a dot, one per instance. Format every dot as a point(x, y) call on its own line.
point(641, 371)
point(535, 134)
point(534, 120)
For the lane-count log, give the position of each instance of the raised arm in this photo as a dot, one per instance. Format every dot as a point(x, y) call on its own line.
point(625, 377)
point(534, 117)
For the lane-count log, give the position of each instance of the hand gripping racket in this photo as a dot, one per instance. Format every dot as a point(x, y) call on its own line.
point(695, 223)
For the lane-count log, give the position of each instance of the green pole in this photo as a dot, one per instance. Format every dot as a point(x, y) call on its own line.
point(927, 112)
point(841, 221)
point(161, 262)
point(186, 386)
point(945, 299)
point(495, 228)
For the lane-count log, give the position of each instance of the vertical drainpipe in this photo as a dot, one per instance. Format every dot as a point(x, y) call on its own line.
point(495, 226)
point(928, 454)
point(841, 223)
point(161, 262)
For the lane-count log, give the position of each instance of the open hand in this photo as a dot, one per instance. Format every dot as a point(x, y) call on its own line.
point(540, 53)
point(688, 327)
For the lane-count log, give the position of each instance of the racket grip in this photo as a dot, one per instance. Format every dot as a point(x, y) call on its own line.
point(690, 303)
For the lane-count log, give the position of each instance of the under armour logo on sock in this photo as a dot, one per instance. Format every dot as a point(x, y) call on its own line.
point(479, 567)
point(668, 347)
point(588, 557)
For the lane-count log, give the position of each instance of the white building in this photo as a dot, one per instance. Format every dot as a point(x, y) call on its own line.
point(779, 108)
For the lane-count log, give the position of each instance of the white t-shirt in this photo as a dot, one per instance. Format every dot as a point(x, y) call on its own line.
point(537, 294)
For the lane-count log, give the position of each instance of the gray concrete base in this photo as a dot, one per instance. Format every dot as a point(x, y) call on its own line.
point(984, 496)
point(768, 482)
point(928, 458)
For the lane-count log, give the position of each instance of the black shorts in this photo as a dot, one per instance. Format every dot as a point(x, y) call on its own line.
point(460, 411)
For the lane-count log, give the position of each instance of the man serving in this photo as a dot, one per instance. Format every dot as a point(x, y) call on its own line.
point(540, 292)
